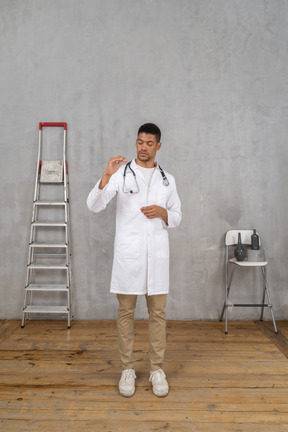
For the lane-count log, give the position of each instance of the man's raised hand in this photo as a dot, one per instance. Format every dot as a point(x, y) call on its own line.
point(112, 167)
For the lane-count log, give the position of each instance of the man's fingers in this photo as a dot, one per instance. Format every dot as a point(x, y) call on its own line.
point(155, 211)
point(148, 208)
point(118, 159)
point(114, 164)
point(150, 211)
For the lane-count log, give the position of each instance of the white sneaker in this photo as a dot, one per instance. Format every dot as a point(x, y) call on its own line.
point(159, 383)
point(127, 383)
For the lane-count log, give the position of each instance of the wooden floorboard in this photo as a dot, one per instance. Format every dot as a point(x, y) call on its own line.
point(280, 339)
point(58, 379)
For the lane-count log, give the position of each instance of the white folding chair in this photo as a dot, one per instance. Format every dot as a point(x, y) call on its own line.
point(231, 240)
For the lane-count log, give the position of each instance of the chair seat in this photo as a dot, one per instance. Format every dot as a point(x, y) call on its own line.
point(246, 263)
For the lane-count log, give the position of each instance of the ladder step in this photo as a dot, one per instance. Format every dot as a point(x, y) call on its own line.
point(47, 287)
point(50, 203)
point(50, 224)
point(48, 245)
point(47, 256)
point(251, 305)
point(61, 183)
point(48, 266)
point(46, 309)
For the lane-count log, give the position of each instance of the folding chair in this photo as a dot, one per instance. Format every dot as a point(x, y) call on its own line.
point(231, 240)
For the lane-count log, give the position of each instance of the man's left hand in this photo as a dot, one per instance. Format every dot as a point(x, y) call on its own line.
point(155, 211)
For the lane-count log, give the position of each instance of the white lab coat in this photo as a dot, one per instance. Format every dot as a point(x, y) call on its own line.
point(141, 247)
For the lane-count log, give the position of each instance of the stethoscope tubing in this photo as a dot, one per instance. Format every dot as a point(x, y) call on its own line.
point(128, 165)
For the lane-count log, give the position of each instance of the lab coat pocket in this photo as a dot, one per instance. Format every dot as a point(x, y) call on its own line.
point(162, 244)
point(127, 246)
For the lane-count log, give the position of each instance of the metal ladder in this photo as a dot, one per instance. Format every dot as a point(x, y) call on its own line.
point(48, 277)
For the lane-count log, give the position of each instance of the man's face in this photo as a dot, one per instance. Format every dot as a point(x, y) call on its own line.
point(147, 146)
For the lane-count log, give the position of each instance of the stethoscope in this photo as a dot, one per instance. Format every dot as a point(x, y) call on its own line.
point(128, 165)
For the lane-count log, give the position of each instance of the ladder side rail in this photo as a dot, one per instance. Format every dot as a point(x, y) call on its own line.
point(67, 244)
point(69, 296)
point(30, 249)
point(32, 238)
point(27, 277)
point(65, 166)
point(38, 165)
point(69, 306)
point(67, 277)
point(66, 234)
point(66, 215)
point(66, 199)
point(67, 207)
point(34, 213)
point(67, 220)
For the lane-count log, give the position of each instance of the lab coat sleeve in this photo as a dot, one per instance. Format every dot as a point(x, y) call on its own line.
point(98, 199)
point(173, 208)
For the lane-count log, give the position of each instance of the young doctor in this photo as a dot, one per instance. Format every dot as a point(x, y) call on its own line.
point(147, 205)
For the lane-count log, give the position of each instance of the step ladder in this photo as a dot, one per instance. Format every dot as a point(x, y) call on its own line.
point(48, 277)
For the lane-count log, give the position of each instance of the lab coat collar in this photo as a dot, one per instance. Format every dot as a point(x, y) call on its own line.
point(139, 172)
point(134, 165)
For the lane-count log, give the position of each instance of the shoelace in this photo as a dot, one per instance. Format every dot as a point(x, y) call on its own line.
point(158, 375)
point(128, 375)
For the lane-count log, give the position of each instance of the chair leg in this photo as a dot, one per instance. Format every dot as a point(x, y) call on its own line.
point(226, 320)
point(225, 306)
point(269, 301)
point(225, 315)
point(274, 322)
point(271, 309)
point(264, 295)
point(223, 311)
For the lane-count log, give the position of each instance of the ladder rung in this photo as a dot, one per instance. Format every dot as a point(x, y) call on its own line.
point(48, 266)
point(47, 287)
point(46, 309)
point(50, 203)
point(251, 305)
point(51, 182)
point(47, 256)
point(50, 224)
point(48, 245)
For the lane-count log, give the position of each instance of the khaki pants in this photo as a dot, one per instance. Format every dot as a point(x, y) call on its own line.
point(157, 329)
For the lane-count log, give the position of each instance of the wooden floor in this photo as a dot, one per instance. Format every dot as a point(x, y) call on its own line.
point(55, 379)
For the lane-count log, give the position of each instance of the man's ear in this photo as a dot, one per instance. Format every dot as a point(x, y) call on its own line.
point(158, 145)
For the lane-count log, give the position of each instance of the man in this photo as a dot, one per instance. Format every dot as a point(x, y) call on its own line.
point(147, 204)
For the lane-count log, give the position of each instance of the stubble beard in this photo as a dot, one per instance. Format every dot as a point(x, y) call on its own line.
point(145, 158)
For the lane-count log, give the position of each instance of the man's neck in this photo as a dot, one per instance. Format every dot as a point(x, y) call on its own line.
point(148, 164)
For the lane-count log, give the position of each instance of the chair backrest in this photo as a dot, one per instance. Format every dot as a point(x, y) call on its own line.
point(231, 237)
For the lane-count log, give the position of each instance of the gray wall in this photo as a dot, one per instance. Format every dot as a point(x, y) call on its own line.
point(211, 73)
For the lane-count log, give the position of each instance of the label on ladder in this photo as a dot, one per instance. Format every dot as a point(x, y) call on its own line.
point(51, 172)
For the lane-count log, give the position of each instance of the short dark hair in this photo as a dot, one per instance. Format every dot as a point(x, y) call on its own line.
point(150, 128)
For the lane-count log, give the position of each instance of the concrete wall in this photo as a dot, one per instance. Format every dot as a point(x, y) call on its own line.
point(211, 73)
